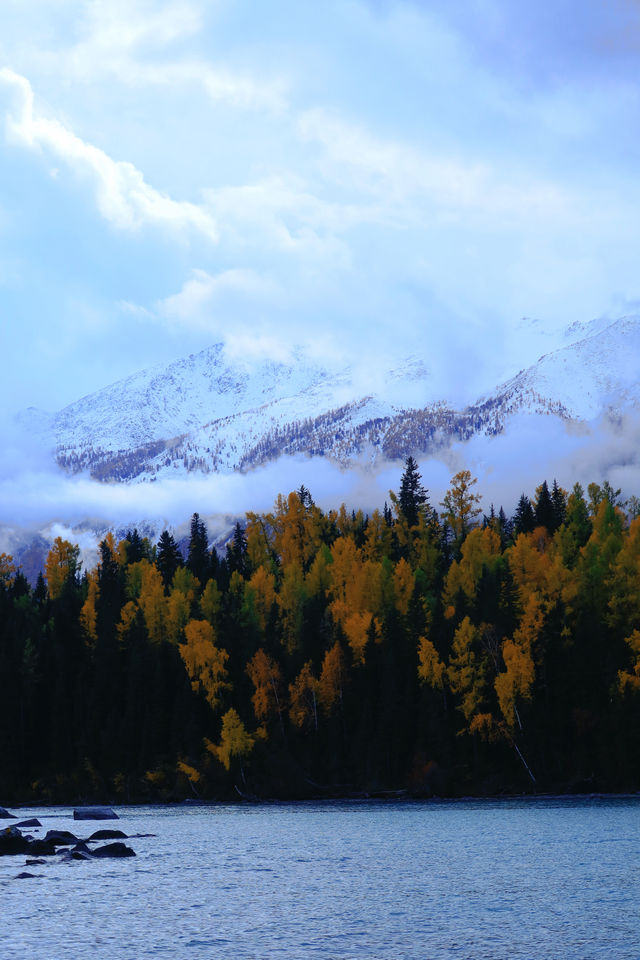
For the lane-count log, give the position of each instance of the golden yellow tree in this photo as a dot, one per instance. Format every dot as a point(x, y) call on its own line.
point(303, 698)
point(235, 740)
point(467, 671)
point(204, 662)
point(515, 682)
point(88, 615)
point(7, 568)
point(431, 669)
point(152, 602)
point(332, 678)
point(266, 677)
point(263, 585)
point(61, 564)
point(461, 504)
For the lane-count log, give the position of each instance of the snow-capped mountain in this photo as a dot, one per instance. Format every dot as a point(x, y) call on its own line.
point(207, 413)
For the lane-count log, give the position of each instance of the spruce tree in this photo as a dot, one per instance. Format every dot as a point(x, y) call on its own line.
point(544, 512)
point(198, 560)
point(169, 557)
point(524, 519)
point(412, 494)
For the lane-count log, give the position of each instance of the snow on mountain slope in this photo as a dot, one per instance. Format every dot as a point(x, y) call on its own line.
point(207, 414)
point(165, 401)
point(599, 373)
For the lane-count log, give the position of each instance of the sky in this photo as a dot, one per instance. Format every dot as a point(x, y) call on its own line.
point(359, 177)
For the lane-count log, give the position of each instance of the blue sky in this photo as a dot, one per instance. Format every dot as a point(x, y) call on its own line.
point(362, 177)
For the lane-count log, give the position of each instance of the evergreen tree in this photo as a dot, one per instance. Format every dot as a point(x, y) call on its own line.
point(135, 546)
point(198, 559)
point(237, 551)
point(559, 502)
point(524, 520)
point(544, 512)
point(169, 557)
point(412, 494)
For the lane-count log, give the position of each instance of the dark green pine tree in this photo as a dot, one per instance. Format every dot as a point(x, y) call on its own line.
point(524, 519)
point(169, 557)
point(198, 559)
point(237, 551)
point(544, 512)
point(135, 546)
point(559, 502)
point(413, 495)
point(505, 526)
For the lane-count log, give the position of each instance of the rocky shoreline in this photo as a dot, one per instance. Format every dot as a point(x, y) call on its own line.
point(61, 844)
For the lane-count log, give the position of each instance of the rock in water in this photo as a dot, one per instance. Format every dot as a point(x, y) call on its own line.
point(43, 848)
point(29, 823)
point(95, 813)
point(114, 850)
point(24, 876)
point(12, 842)
point(5, 815)
point(61, 838)
point(108, 835)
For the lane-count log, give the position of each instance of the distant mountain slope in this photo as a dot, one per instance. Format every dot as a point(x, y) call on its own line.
point(204, 413)
point(600, 372)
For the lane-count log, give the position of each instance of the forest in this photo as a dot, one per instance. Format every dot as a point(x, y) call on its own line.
point(415, 651)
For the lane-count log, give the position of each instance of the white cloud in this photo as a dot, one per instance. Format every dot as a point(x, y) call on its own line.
point(192, 306)
point(119, 35)
point(400, 173)
point(122, 195)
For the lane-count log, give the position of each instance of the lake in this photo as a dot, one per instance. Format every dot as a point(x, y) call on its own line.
point(534, 878)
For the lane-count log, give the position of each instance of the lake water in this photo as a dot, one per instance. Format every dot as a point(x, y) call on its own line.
point(543, 878)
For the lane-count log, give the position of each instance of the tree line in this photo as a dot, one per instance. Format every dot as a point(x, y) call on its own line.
point(433, 651)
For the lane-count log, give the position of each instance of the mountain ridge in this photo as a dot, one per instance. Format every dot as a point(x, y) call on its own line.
point(205, 413)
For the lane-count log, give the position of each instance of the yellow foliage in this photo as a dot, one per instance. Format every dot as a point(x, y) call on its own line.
point(117, 550)
point(318, 579)
point(356, 627)
point(332, 678)
point(461, 505)
point(88, 616)
point(480, 549)
point(152, 601)
point(291, 600)
point(530, 561)
point(61, 563)
point(235, 741)
point(303, 698)
point(516, 680)
point(210, 602)
point(189, 772)
point(204, 662)
point(403, 584)
point(260, 547)
point(485, 726)
point(630, 682)
point(266, 676)
point(186, 583)
point(178, 612)
point(466, 671)
point(155, 777)
point(263, 584)
point(431, 669)
point(127, 617)
point(378, 538)
point(7, 568)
